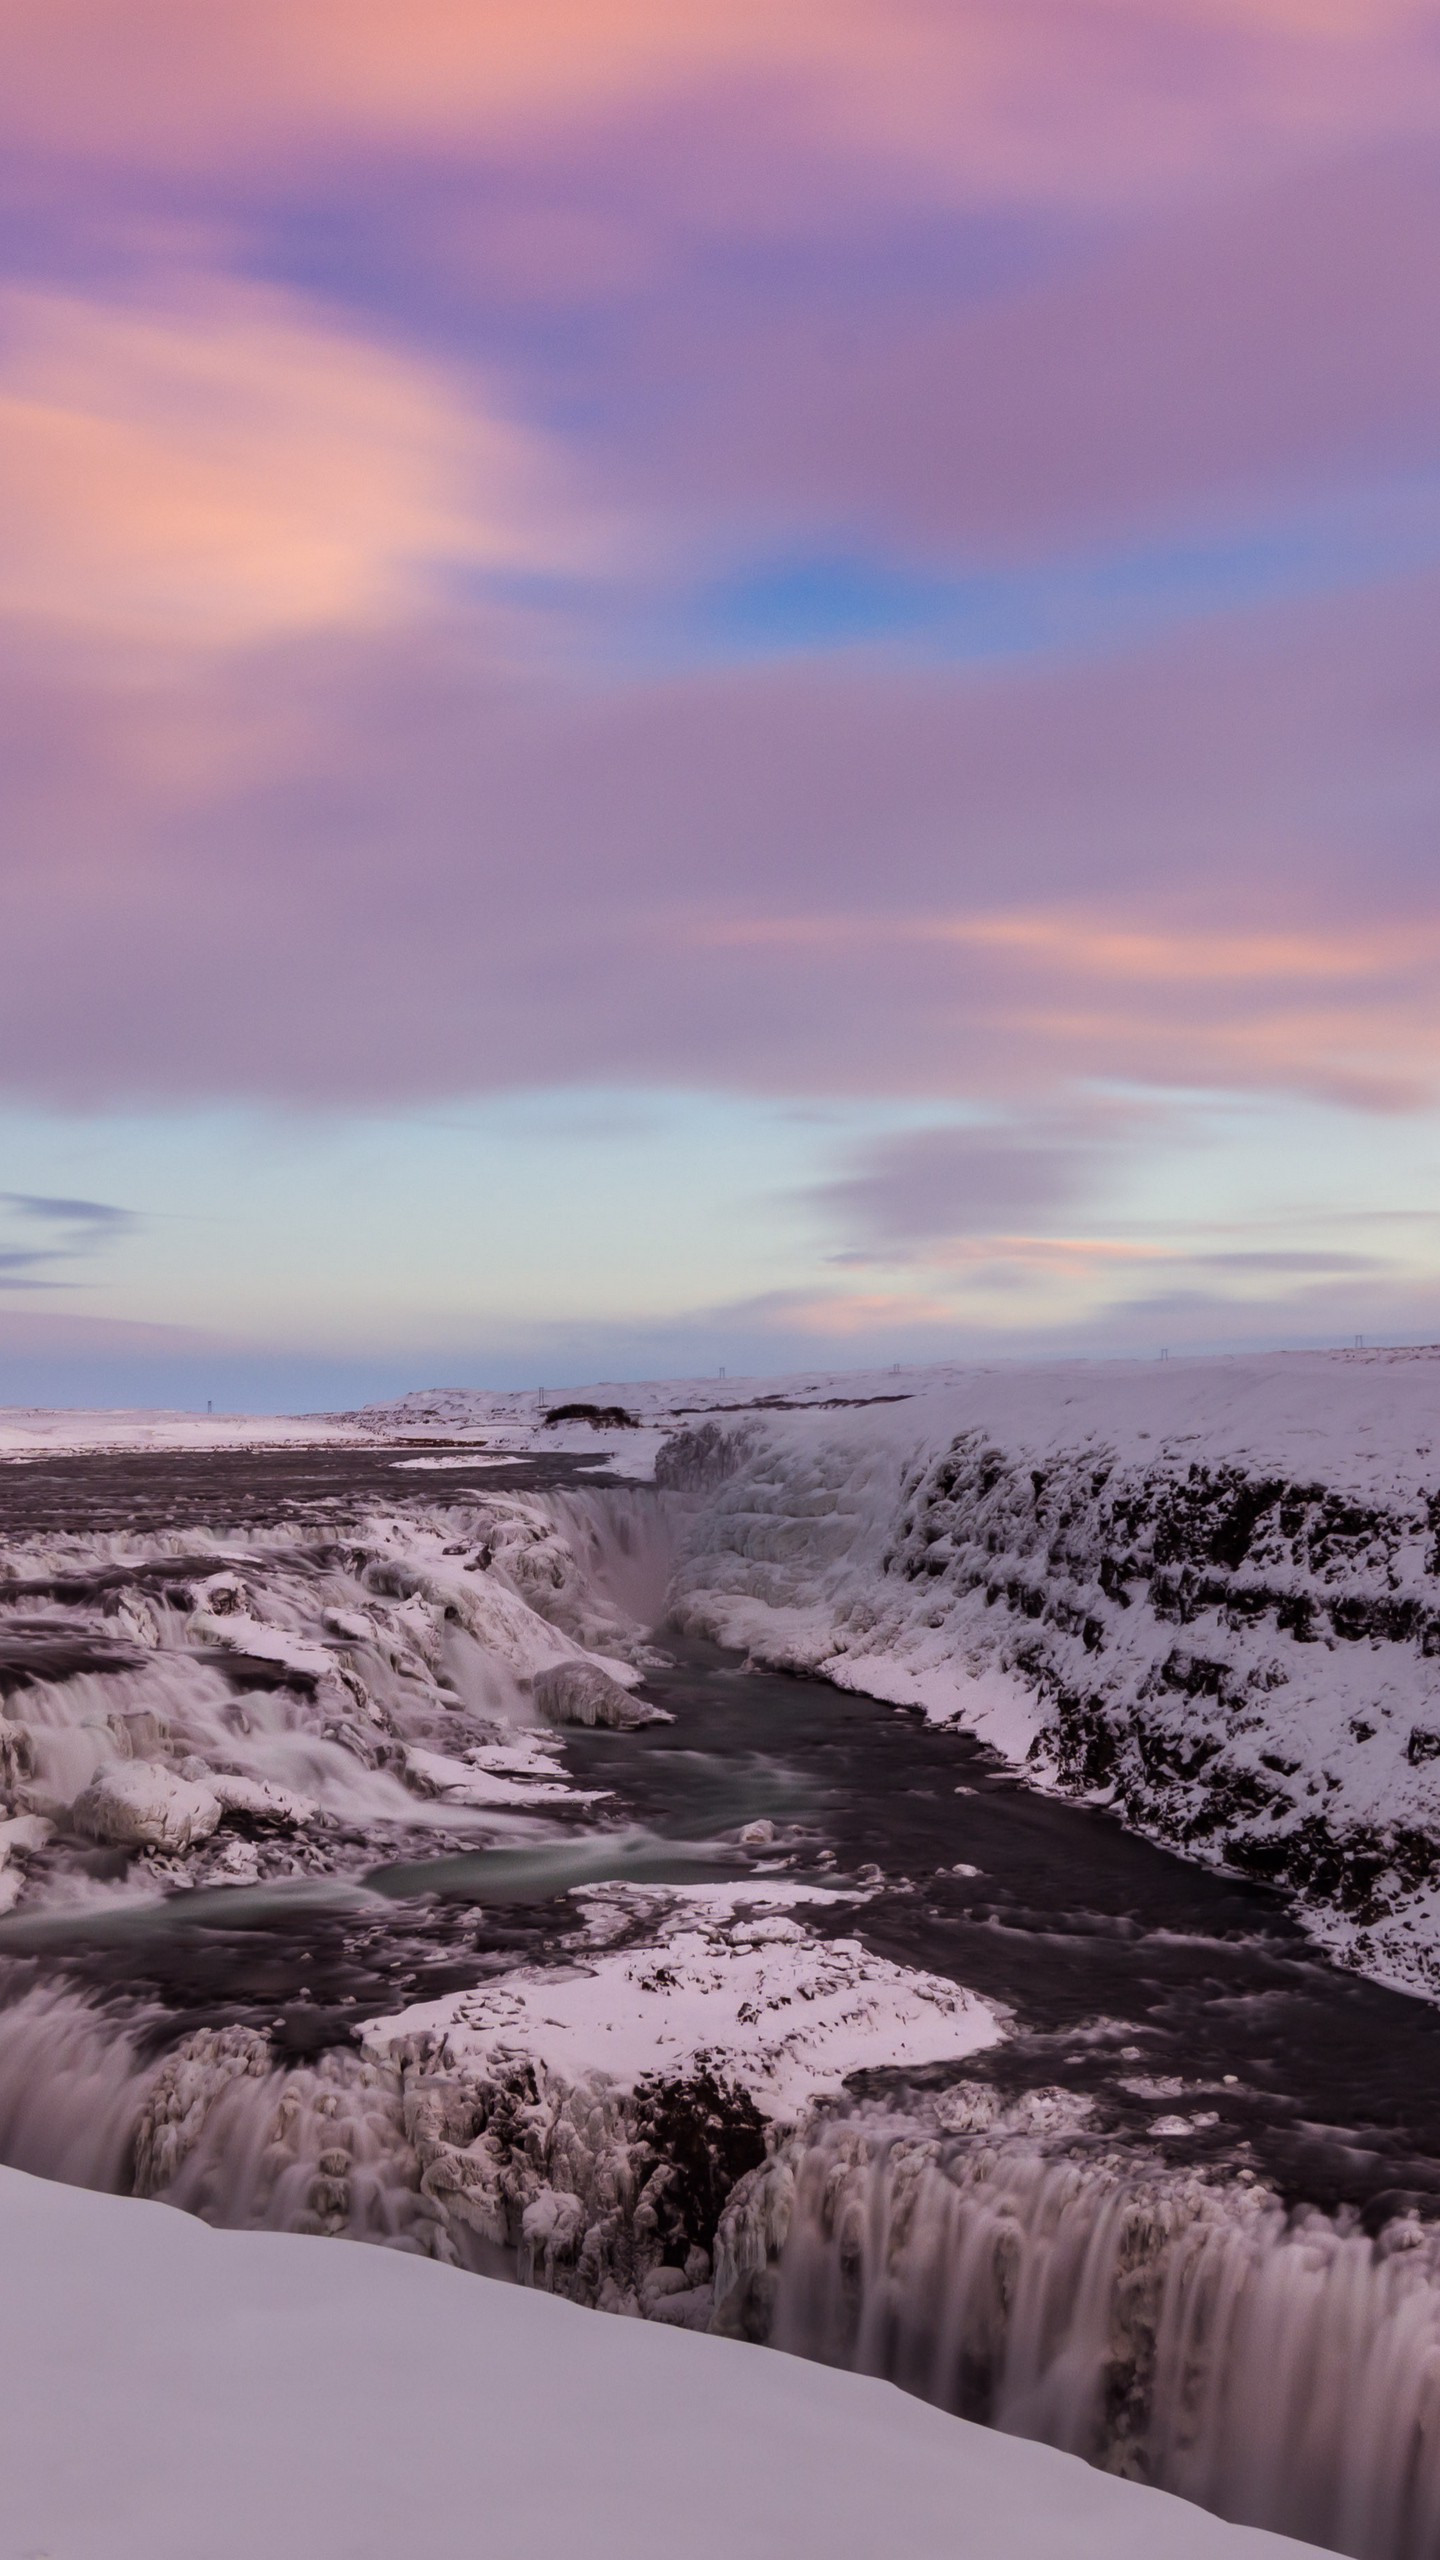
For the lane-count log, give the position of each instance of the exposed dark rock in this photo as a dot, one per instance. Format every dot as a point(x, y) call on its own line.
point(601, 1417)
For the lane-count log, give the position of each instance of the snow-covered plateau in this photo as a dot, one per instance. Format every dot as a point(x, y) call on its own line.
point(34, 1431)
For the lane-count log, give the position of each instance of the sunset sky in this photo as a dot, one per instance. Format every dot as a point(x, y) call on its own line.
point(713, 680)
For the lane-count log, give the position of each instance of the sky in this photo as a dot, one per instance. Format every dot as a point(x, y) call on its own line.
point(713, 681)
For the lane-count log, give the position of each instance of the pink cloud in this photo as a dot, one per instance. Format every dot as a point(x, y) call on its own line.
point(217, 464)
point(383, 870)
point(1055, 97)
point(1269, 345)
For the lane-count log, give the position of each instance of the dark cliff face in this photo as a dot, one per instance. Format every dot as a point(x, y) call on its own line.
point(1221, 1653)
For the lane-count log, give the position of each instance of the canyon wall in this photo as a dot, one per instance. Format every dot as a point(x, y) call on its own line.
point(1206, 1594)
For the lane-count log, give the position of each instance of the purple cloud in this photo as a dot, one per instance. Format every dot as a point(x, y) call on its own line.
point(383, 870)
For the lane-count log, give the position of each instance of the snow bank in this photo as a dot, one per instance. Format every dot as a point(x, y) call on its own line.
point(1206, 1592)
point(166, 2389)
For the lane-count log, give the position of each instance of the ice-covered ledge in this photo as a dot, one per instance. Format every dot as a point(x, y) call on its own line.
point(168, 2391)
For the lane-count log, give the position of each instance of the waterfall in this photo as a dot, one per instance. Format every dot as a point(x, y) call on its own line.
point(71, 2087)
point(624, 1539)
point(1281, 2369)
point(214, 2127)
point(318, 2148)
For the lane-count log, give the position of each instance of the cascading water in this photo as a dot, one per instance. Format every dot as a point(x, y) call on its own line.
point(320, 2148)
point(214, 2127)
point(1281, 2369)
point(71, 2087)
point(328, 1692)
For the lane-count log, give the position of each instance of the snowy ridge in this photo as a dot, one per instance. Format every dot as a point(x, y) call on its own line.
point(1207, 1592)
point(580, 1420)
point(648, 1400)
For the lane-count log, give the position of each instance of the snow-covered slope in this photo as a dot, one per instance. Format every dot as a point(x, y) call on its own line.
point(1207, 1592)
point(167, 2391)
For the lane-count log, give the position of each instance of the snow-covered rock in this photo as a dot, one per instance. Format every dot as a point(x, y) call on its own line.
point(257, 1799)
point(140, 1806)
point(22, 1835)
point(452, 1781)
point(17, 1757)
point(727, 1974)
point(581, 1693)
point(232, 1627)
